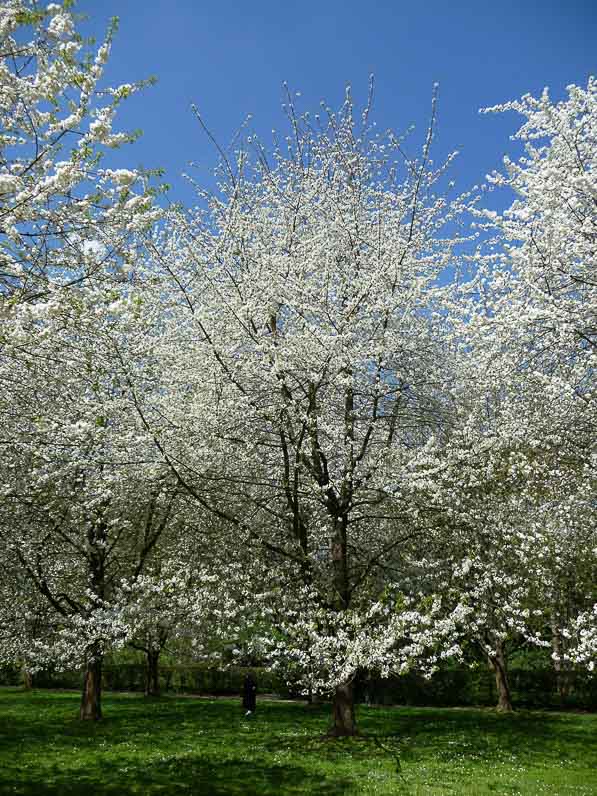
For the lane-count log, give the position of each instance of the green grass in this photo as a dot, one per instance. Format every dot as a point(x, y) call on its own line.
point(207, 747)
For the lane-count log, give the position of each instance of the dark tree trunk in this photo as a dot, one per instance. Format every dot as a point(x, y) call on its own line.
point(497, 662)
point(562, 672)
point(152, 676)
point(91, 698)
point(27, 679)
point(343, 718)
point(563, 683)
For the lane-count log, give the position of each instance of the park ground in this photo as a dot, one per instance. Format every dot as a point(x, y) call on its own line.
point(207, 747)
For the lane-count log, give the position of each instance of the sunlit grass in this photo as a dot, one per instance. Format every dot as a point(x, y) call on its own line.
point(200, 746)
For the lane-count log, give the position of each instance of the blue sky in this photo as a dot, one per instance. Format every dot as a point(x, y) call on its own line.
point(231, 57)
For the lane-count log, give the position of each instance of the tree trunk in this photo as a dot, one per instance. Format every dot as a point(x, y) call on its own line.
point(91, 698)
point(561, 670)
point(497, 662)
point(152, 680)
point(343, 718)
point(27, 679)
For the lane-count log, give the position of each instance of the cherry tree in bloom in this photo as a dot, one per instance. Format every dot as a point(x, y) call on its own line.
point(63, 217)
point(77, 486)
point(186, 600)
point(581, 635)
point(550, 235)
point(528, 335)
point(84, 499)
point(156, 607)
point(306, 368)
point(549, 230)
point(498, 561)
point(26, 619)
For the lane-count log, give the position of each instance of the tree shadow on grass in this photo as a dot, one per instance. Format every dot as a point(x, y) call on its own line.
point(483, 735)
point(29, 720)
point(207, 747)
point(189, 775)
point(406, 738)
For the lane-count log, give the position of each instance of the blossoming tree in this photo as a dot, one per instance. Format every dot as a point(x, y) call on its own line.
point(300, 327)
point(66, 235)
point(63, 217)
point(528, 334)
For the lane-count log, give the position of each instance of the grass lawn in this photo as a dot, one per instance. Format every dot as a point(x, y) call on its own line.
point(202, 746)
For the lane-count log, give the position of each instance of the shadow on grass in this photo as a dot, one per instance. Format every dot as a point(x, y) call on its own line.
point(158, 746)
point(484, 734)
point(206, 747)
point(189, 775)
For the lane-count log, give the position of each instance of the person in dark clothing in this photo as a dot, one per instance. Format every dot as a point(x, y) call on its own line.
point(249, 694)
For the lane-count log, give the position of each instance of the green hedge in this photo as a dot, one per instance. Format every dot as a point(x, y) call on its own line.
point(191, 679)
point(11, 675)
point(199, 679)
point(468, 687)
point(451, 687)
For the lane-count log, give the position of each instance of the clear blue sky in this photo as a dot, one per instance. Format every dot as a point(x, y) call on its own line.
point(231, 57)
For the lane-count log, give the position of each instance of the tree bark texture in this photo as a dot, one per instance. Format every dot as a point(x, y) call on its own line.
point(27, 679)
point(343, 718)
point(152, 675)
point(91, 698)
point(560, 668)
point(497, 662)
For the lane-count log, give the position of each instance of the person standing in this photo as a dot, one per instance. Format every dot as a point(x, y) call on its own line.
point(249, 694)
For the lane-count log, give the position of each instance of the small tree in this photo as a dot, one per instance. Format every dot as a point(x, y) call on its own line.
point(84, 501)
